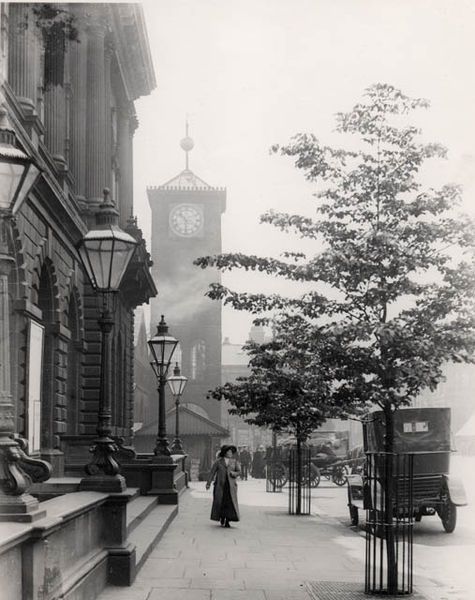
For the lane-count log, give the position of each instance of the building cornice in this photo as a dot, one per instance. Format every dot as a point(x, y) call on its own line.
point(138, 285)
point(132, 50)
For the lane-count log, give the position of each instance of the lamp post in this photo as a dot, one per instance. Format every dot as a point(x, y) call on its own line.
point(162, 347)
point(177, 384)
point(18, 173)
point(105, 253)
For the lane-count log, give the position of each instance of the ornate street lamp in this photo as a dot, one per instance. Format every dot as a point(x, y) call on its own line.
point(162, 347)
point(18, 173)
point(177, 384)
point(105, 253)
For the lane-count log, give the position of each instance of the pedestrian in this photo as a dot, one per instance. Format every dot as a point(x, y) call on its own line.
point(259, 463)
point(245, 460)
point(224, 472)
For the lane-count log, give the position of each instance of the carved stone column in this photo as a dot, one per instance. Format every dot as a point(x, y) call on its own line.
point(55, 122)
point(107, 140)
point(127, 124)
point(24, 56)
point(95, 112)
point(78, 69)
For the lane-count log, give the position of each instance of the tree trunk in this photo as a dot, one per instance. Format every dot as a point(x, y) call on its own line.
point(299, 473)
point(388, 486)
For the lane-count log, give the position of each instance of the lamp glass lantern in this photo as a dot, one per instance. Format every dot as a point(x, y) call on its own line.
point(177, 382)
point(106, 251)
point(162, 346)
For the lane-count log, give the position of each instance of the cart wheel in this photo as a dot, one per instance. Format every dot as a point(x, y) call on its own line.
point(315, 478)
point(448, 516)
point(339, 476)
point(282, 475)
point(277, 476)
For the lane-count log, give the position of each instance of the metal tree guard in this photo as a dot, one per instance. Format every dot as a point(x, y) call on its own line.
point(299, 480)
point(389, 523)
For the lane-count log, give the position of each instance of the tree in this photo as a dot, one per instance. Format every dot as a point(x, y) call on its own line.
point(289, 385)
point(396, 262)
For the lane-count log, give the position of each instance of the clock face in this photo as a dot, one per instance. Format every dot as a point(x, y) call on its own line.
point(186, 219)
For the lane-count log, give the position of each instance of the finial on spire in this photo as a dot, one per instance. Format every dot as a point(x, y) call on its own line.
point(187, 144)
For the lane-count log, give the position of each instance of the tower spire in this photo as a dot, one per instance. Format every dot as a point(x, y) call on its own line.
point(187, 144)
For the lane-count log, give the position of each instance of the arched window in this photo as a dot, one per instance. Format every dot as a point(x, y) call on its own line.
point(198, 360)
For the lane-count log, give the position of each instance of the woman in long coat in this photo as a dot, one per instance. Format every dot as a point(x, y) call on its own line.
point(224, 472)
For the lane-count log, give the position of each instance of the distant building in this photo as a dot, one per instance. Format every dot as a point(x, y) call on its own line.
point(235, 363)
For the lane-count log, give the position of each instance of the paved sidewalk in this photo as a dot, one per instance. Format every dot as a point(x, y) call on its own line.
point(268, 555)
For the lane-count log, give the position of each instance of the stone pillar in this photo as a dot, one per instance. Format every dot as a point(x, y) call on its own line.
point(24, 58)
point(3, 42)
point(127, 124)
point(107, 139)
point(95, 112)
point(77, 160)
point(55, 118)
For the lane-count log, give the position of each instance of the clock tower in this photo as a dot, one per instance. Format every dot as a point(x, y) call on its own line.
point(186, 224)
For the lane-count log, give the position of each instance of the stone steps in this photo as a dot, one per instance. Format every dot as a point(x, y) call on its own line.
point(138, 509)
point(148, 529)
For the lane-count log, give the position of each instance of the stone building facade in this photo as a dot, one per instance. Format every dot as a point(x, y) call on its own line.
point(71, 74)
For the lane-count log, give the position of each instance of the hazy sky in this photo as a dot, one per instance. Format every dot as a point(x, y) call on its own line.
point(251, 73)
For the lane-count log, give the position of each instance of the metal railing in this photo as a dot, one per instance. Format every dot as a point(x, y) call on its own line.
point(389, 502)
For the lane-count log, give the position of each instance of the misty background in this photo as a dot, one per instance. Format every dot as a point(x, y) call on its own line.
point(253, 73)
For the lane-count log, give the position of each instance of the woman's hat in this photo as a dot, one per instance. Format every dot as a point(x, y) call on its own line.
point(227, 447)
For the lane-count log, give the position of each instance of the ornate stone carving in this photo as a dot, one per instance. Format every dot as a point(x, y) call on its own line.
point(19, 469)
point(103, 461)
point(124, 452)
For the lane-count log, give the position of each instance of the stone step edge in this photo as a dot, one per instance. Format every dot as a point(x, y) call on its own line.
point(150, 530)
point(148, 503)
